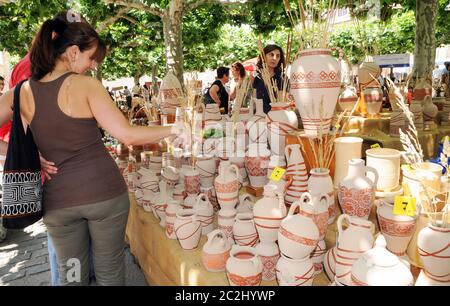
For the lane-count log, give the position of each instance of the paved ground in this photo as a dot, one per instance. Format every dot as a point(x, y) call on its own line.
point(24, 259)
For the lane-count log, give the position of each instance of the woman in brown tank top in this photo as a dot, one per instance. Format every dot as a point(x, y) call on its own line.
point(87, 197)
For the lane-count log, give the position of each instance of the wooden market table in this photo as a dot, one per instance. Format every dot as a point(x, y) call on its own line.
point(165, 263)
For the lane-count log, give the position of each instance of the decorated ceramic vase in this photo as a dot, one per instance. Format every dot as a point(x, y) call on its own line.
point(256, 125)
point(373, 97)
point(269, 254)
point(316, 210)
point(226, 219)
point(379, 267)
point(387, 162)
point(329, 263)
point(244, 268)
point(315, 81)
point(170, 93)
point(295, 272)
point(346, 148)
point(351, 244)
point(256, 163)
point(171, 216)
point(227, 186)
point(281, 121)
point(244, 230)
point(356, 191)
point(205, 213)
point(434, 249)
point(268, 213)
point(347, 99)
point(368, 74)
point(320, 183)
point(296, 174)
point(318, 256)
point(188, 229)
point(298, 235)
point(216, 251)
point(396, 229)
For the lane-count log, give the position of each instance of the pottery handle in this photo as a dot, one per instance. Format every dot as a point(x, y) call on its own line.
point(215, 235)
point(339, 222)
point(299, 203)
point(375, 173)
point(307, 196)
point(236, 169)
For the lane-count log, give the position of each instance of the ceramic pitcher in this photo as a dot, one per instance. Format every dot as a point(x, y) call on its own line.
point(205, 213)
point(356, 191)
point(244, 268)
point(346, 148)
point(320, 183)
point(216, 251)
point(188, 229)
point(227, 185)
point(244, 230)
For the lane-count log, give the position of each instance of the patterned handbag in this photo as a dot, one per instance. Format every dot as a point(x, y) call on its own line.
point(22, 180)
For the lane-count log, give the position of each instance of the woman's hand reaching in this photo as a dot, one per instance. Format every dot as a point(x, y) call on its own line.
point(48, 167)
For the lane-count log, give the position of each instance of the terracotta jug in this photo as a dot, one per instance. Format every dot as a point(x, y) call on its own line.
point(356, 191)
point(244, 268)
point(320, 183)
point(316, 210)
point(188, 229)
point(256, 163)
point(351, 244)
point(268, 213)
point(216, 251)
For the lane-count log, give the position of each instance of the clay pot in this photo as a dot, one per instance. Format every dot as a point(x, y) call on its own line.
point(296, 173)
point(346, 148)
point(189, 201)
point(269, 254)
point(171, 216)
point(434, 249)
point(379, 267)
point(170, 175)
point(192, 181)
point(373, 96)
point(281, 121)
point(315, 79)
point(205, 213)
point(368, 73)
point(159, 203)
point(318, 256)
point(245, 204)
point(244, 230)
point(256, 125)
point(316, 210)
point(206, 166)
point(298, 235)
point(244, 268)
point(295, 272)
point(268, 213)
point(356, 191)
point(329, 263)
point(347, 99)
point(396, 229)
point(227, 186)
point(387, 162)
point(351, 244)
point(225, 220)
point(417, 110)
point(216, 251)
point(188, 229)
point(170, 93)
point(211, 194)
point(256, 163)
point(320, 183)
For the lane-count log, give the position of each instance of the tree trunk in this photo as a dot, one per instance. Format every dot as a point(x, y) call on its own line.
point(425, 42)
point(155, 87)
point(172, 27)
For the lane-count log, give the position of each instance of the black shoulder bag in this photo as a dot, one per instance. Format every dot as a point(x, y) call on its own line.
point(22, 181)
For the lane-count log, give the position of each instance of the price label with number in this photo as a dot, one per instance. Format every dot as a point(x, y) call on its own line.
point(405, 206)
point(375, 146)
point(277, 174)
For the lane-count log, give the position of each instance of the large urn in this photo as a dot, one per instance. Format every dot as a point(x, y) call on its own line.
point(316, 80)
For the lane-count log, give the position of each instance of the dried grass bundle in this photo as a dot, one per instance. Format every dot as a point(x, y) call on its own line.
point(241, 94)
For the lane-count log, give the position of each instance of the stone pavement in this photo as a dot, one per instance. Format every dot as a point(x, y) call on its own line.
point(24, 259)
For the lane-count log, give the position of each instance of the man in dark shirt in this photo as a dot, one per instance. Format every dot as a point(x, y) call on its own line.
point(217, 91)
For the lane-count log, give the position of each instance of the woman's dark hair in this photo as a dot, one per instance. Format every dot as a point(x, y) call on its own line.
point(268, 49)
point(222, 71)
point(239, 67)
point(55, 36)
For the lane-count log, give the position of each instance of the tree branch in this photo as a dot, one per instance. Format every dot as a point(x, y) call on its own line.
point(194, 4)
point(111, 20)
point(130, 4)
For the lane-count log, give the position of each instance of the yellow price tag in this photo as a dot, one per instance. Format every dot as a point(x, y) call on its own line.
point(375, 146)
point(277, 174)
point(404, 205)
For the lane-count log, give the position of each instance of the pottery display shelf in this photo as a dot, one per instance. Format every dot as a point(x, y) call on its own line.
point(376, 130)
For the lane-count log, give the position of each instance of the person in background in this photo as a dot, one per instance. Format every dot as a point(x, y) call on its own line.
point(217, 92)
point(128, 97)
point(2, 84)
point(137, 90)
point(275, 61)
point(110, 92)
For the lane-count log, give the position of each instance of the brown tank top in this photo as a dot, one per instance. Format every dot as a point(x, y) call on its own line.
point(86, 171)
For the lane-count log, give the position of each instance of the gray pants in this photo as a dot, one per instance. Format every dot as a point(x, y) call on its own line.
point(70, 228)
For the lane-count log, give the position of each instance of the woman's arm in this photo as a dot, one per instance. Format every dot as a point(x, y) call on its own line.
point(213, 92)
point(111, 119)
point(6, 102)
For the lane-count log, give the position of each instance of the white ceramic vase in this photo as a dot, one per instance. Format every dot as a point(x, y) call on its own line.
point(346, 148)
point(295, 272)
point(244, 268)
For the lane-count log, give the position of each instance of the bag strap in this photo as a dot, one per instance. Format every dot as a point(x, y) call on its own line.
point(16, 109)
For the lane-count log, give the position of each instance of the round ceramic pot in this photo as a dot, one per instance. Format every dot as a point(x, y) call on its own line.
point(225, 220)
point(244, 230)
point(347, 99)
point(298, 235)
point(188, 229)
point(379, 267)
point(320, 183)
point(216, 251)
point(351, 244)
point(256, 163)
point(396, 229)
point(434, 249)
point(373, 96)
point(346, 148)
point(387, 162)
point(356, 192)
point(269, 254)
point(244, 268)
point(315, 80)
point(295, 272)
point(368, 73)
